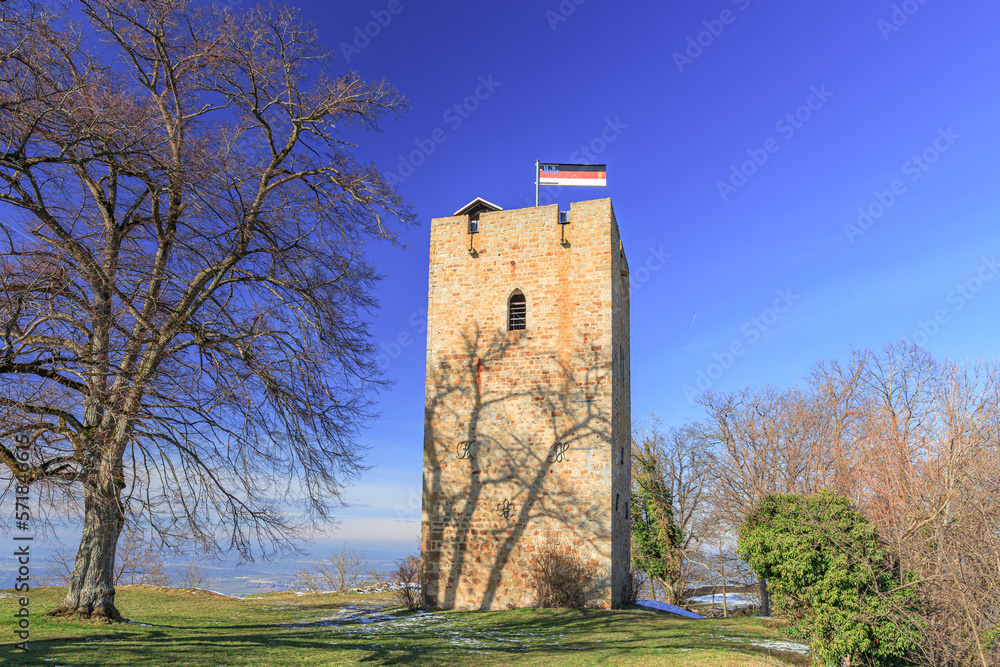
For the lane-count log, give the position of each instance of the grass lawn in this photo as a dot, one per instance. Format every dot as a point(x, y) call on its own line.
point(185, 627)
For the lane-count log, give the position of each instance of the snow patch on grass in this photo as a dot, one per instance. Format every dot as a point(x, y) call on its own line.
point(776, 645)
point(733, 601)
point(663, 606)
point(391, 632)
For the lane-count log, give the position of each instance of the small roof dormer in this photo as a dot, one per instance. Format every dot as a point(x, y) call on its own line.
point(477, 205)
point(473, 209)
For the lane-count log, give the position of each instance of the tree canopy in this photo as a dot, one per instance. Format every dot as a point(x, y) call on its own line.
point(828, 569)
point(656, 538)
point(184, 287)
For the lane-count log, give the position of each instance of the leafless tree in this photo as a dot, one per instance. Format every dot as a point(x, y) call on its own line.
point(59, 567)
point(183, 290)
point(722, 567)
point(919, 449)
point(377, 577)
point(192, 575)
point(407, 581)
point(943, 511)
point(342, 570)
point(916, 444)
point(683, 460)
point(136, 562)
point(836, 417)
point(756, 453)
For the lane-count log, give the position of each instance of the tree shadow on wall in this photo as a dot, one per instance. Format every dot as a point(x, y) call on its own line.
point(484, 459)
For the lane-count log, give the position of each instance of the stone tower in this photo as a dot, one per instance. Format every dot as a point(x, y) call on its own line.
point(527, 424)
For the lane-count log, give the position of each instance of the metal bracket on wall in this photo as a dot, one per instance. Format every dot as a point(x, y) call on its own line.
point(472, 247)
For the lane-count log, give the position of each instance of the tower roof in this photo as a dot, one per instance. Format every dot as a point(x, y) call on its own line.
point(477, 205)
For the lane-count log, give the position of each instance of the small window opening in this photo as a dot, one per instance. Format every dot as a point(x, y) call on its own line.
point(517, 309)
point(474, 222)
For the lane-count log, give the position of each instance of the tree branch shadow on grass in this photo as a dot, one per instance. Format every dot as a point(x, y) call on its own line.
point(554, 635)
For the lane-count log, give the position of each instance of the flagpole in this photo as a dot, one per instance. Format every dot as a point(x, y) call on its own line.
point(537, 167)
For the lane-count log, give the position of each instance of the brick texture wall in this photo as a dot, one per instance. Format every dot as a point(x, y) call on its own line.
point(526, 434)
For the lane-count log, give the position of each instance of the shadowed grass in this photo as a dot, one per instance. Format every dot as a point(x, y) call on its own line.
point(175, 627)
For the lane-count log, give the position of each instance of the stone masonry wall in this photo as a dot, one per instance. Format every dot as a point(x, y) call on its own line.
point(622, 428)
point(526, 437)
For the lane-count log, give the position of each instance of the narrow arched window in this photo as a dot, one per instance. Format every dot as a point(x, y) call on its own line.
point(517, 312)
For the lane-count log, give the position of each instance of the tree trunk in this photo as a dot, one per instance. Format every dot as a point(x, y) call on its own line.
point(725, 604)
point(765, 598)
point(91, 590)
point(676, 592)
point(670, 594)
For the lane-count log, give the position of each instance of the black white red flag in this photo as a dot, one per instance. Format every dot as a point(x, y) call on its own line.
point(573, 174)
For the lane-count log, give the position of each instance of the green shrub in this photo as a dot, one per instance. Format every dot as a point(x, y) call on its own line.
point(828, 569)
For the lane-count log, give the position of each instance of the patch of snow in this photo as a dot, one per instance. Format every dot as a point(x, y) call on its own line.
point(370, 622)
point(663, 606)
point(235, 597)
point(733, 600)
point(773, 644)
point(781, 646)
point(151, 625)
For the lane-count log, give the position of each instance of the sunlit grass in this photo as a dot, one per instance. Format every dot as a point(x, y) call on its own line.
point(183, 627)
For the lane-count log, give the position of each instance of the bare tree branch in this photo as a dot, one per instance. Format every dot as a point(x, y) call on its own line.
point(184, 300)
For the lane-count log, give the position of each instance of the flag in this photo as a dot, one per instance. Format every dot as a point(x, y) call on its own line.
point(573, 174)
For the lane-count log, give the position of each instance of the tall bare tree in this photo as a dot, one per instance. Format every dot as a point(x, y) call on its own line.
point(933, 436)
point(762, 445)
point(683, 461)
point(916, 444)
point(183, 290)
point(760, 448)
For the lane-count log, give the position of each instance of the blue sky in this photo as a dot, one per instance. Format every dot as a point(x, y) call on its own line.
point(789, 180)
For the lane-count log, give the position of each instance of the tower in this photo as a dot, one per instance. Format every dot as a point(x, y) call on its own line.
point(527, 424)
